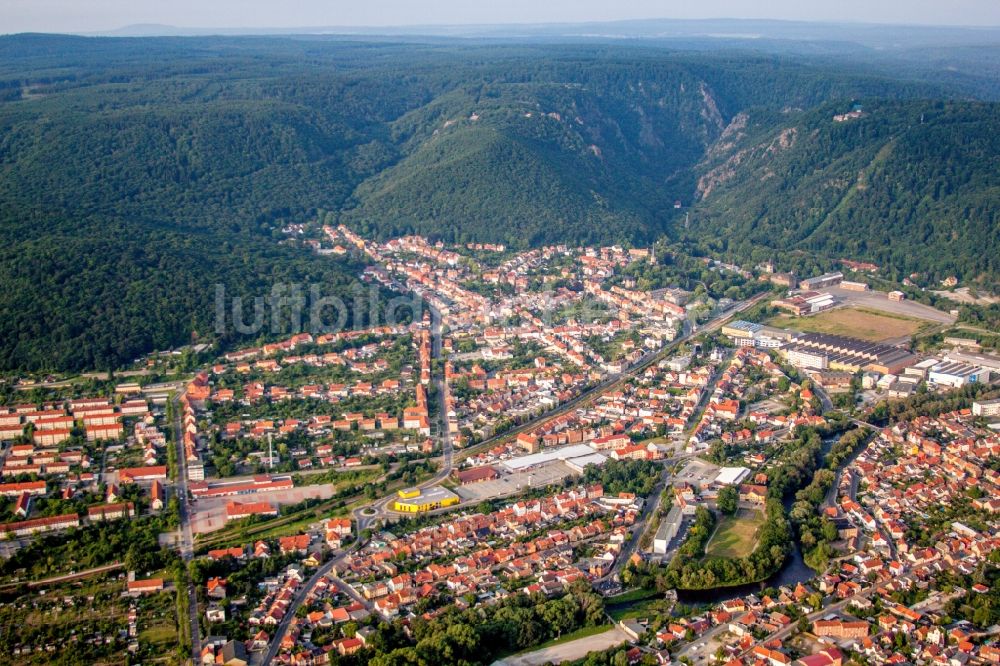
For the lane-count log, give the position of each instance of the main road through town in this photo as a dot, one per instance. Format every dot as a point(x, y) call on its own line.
point(186, 536)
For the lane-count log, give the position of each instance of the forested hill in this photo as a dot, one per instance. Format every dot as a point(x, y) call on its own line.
point(135, 174)
point(585, 147)
point(911, 186)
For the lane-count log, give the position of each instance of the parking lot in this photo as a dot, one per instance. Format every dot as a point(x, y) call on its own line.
point(509, 484)
point(877, 300)
point(697, 472)
point(209, 513)
point(768, 406)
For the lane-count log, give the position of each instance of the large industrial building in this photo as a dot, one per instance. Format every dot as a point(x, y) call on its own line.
point(980, 360)
point(825, 280)
point(749, 334)
point(849, 354)
point(820, 351)
point(804, 357)
point(955, 374)
point(729, 476)
point(809, 302)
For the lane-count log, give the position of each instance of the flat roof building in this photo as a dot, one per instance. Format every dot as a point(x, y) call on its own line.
point(667, 530)
point(956, 375)
point(986, 408)
point(727, 476)
point(805, 357)
point(565, 453)
point(852, 354)
point(978, 359)
point(740, 328)
point(579, 463)
point(417, 500)
point(820, 281)
point(750, 334)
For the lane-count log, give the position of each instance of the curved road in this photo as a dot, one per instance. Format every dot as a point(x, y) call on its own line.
point(300, 596)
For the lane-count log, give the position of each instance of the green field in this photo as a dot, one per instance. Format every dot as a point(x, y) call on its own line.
point(736, 536)
point(160, 637)
point(855, 322)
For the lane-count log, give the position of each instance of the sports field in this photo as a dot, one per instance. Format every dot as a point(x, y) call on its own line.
point(855, 322)
point(735, 536)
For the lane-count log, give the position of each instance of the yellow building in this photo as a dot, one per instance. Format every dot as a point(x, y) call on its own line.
point(415, 500)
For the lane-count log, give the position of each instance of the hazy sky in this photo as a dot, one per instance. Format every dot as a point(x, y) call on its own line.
point(97, 15)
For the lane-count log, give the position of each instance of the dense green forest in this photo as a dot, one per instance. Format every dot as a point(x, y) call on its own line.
point(136, 174)
point(910, 185)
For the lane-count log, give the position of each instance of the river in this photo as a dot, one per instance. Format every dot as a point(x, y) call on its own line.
point(793, 571)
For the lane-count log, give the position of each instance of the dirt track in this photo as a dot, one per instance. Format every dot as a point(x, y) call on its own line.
point(570, 651)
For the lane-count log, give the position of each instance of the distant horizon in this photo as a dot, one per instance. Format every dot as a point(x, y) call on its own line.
point(374, 30)
point(308, 16)
point(526, 24)
point(495, 30)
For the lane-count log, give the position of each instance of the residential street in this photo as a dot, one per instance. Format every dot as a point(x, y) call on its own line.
point(185, 533)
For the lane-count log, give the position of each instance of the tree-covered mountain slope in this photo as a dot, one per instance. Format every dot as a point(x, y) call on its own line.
point(121, 208)
point(135, 174)
point(577, 149)
point(538, 162)
point(911, 186)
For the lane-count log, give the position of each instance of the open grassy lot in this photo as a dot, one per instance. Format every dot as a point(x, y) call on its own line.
point(736, 536)
point(855, 322)
point(158, 627)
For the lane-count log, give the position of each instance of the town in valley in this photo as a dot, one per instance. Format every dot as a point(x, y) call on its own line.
point(442, 333)
point(588, 449)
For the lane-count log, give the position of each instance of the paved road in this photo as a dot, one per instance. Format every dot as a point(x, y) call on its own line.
point(831, 495)
point(349, 590)
point(186, 536)
point(300, 596)
point(706, 395)
point(381, 507)
point(692, 650)
point(437, 376)
point(641, 526)
point(878, 300)
point(615, 380)
point(701, 649)
point(824, 398)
